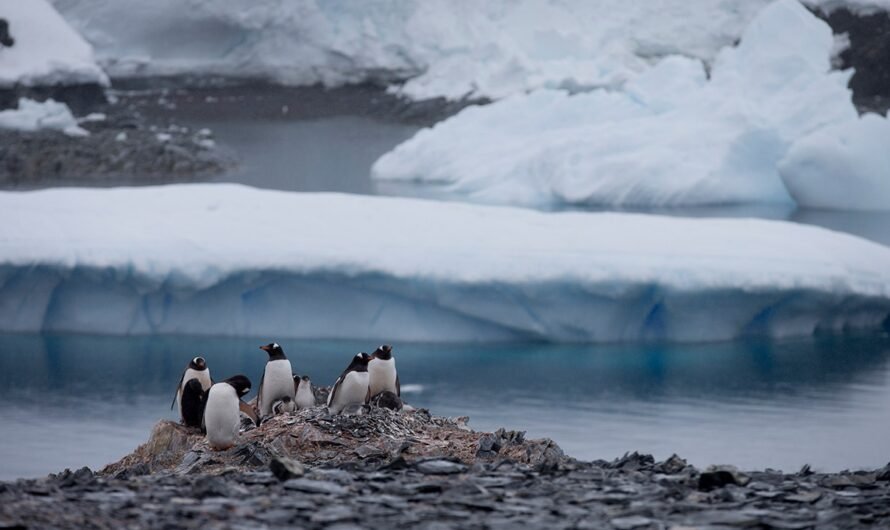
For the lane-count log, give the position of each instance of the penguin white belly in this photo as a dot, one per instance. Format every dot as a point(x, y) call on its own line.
point(203, 377)
point(305, 397)
point(278, 383)
point(222, 416)
point(353, 389)
point(382, 375)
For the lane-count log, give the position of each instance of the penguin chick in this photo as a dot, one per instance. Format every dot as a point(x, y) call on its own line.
point(387, 400)
point(222, 418)
point(277, 381)
point(352, 385)
point(304, 393)
point(196, 369)
point(382, 372)
point(283, 405)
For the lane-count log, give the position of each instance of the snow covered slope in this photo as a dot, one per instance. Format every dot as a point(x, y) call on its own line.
point(227, 259)
point(46, 50)
point(450, 48)
point(671, 137)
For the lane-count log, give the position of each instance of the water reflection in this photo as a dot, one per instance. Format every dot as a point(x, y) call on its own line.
point(74, 400)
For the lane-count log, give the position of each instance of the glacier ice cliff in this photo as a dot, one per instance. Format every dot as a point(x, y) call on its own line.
point(233, 260)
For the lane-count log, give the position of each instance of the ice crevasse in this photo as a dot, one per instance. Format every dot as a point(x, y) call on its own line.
point(675, 135)
point(232, 260)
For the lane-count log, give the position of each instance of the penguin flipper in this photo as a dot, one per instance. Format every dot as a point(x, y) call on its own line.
point(368, 396)
point(178, 389)
point(259, 393)
point(398, 386)
point(334, 390)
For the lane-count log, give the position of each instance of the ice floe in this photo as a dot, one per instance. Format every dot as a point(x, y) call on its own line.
point(233, 260)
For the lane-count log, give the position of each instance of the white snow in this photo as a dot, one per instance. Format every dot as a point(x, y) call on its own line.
point(843, 166)
point(47, 51)
point(450, 48)
point(232, 260)
point(671, 137)
point(35, 115)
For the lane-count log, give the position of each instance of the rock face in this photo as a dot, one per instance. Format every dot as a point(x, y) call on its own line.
point(868, 53)
point(378, 437)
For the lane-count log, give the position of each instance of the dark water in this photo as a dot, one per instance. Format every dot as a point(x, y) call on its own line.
point(69, 401)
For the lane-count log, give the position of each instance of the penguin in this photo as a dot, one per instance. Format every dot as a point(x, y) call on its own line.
point(277, 381)
point(304, 394)
point(222, 413)
point(283, 405)
point(382, 372)
point(196, 369)
point(351, 387)
point(192, 401)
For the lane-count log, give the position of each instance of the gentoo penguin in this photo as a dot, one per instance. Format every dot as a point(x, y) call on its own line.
point(277, 381)
point(196, 369)
point(382, 372)
point(191, 403)
point(222, 414)
point(305, 395)
point(352, 386)
point(285, 404)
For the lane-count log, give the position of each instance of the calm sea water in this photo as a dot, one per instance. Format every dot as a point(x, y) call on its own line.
point(75, 400)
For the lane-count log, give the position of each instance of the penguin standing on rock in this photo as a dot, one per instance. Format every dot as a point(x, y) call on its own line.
point(351, 387)
point(382, 372)
point(304, 394)
point(222, 413)
point(277, 382)
point(197, 370)
point(192, 402)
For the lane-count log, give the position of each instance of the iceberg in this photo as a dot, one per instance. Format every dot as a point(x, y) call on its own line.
point(232, 260)
point(673, 136)
point(46, 50)
point(425, 48)
point(842, 166)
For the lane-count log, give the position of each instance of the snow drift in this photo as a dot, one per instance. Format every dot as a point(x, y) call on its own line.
point(671, 137)
point(46, 50)
point(227, 259)
point(34, 115)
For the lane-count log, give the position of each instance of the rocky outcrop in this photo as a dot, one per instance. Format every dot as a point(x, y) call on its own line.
point(378, 437)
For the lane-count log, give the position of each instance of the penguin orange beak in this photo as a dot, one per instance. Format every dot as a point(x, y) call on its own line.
point(265, 348)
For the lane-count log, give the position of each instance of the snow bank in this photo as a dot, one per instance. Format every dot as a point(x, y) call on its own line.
point(34, 115)
point(450, 48)
point(46, 50)
point(227, 259)
point(842, 166)
point(672, 137)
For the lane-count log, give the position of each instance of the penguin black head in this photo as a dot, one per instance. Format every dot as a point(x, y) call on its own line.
point(240, 383)
point(198, 363)
point(359, 363)
point(384, 353)
point(274, 350)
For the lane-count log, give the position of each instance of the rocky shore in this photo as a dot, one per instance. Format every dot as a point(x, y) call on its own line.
point(385, 469)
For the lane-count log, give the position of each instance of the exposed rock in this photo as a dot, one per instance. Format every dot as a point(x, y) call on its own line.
point(286, 468)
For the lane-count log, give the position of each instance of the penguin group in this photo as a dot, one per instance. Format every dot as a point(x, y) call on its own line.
point(218, 408)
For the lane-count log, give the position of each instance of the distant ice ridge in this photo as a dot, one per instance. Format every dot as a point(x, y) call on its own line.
point(34, 115)
point(672, 137)
point(46, 50)
point(228, 259)
point(444, 48)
